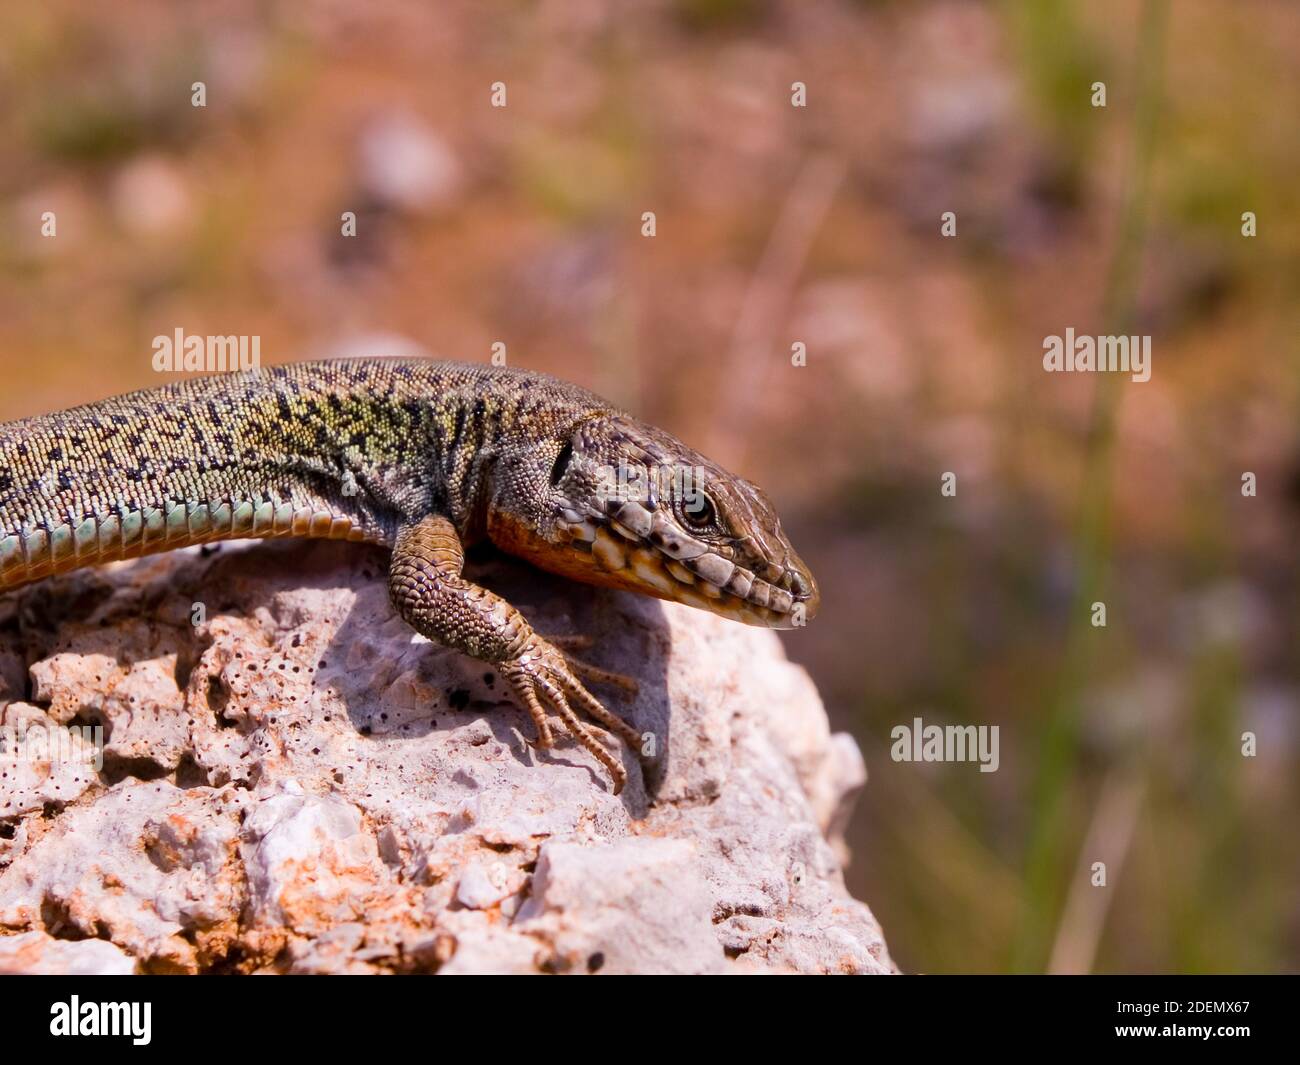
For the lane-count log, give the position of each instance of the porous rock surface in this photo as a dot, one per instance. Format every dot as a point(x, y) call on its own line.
point(293, 781)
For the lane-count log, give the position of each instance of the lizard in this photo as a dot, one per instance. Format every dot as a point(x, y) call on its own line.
point(426, 458)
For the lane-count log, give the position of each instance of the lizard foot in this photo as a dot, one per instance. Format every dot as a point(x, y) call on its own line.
point(540, 672)
point(574, 642)
point(596, 675)
point(586, 670)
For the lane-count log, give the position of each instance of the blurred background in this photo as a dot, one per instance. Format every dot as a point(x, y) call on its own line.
point(818, 225)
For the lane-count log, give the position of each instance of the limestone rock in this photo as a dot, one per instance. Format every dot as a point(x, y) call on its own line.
point(38, 954)
point(292, 780)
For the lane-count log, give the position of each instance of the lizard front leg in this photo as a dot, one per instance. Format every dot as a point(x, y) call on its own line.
point(428, 591)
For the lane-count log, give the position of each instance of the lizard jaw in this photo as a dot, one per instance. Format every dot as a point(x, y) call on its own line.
point(595, 550)
point(631, 547)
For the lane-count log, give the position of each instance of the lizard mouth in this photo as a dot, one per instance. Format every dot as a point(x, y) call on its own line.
point(650, 554)
point(784, 598)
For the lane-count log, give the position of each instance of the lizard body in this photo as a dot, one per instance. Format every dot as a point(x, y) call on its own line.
point(423, 457)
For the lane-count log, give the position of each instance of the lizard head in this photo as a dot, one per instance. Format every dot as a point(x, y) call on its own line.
point(630, 506)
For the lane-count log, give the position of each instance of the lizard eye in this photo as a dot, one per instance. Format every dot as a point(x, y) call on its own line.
point(699, 513)
point(561, 462)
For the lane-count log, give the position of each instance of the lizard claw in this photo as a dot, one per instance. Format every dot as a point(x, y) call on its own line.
point(585, 670)
point(570, 642)
point(596, 675)
point(541, 675)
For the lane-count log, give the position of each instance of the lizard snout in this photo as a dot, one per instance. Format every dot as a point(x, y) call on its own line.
point(803, 588)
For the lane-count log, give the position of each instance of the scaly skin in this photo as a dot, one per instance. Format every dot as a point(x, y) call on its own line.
point(423, 457)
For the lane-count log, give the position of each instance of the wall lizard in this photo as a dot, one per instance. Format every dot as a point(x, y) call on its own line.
point(425, 458)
